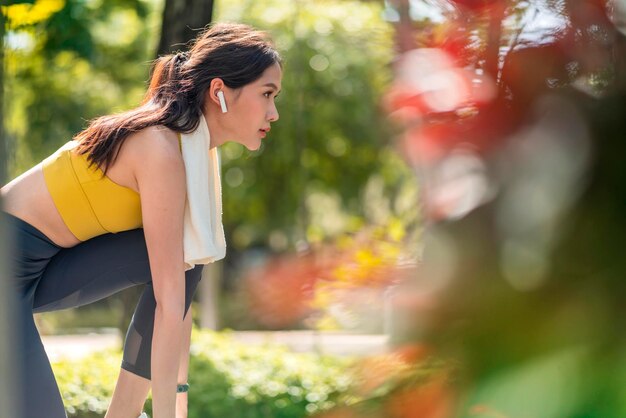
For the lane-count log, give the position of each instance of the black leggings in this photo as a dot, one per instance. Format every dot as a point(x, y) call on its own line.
point(47, 277)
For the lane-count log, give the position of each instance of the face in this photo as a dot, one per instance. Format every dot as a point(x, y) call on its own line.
point(252, 109)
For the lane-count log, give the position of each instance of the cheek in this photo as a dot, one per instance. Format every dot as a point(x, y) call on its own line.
point(249, 113)
point(248, 108)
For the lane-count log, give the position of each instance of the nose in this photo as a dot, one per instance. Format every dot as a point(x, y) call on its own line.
point(272, 115)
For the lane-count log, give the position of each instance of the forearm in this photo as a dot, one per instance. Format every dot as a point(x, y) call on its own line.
point(166, 347)
point(183, 368)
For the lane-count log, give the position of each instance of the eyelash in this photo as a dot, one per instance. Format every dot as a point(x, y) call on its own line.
point(269, 92)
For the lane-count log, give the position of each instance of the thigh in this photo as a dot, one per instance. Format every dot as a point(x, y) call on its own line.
point(93, 270)
point(37, 392)
point(29, 252)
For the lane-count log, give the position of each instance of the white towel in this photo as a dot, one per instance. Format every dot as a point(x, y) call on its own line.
point(203, 233)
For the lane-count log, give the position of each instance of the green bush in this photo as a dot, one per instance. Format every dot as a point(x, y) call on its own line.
point(227, 378)
point(87, 384)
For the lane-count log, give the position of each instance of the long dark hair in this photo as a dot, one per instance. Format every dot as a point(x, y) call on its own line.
point(236, 53)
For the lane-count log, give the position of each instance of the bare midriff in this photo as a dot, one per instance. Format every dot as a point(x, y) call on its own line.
point(27, 197)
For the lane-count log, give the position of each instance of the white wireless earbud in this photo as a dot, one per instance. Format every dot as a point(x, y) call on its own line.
point(220, 96)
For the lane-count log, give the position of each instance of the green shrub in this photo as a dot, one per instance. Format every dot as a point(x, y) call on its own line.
point(87, 384)
point(233, 379)
point(227, 378)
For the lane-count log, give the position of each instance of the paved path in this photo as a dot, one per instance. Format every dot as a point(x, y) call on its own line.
point(76, 346)
point(327, 342)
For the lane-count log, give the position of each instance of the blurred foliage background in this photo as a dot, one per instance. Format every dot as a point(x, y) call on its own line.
point(504, 298)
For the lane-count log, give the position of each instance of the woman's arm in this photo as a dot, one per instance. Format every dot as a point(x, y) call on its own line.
point(183, 368)
point(160, 175)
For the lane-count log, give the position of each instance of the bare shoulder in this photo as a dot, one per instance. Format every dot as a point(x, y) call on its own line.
point(156, 158)
point(154, 141)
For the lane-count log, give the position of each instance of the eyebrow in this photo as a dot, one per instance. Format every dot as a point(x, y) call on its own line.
point(271, 85)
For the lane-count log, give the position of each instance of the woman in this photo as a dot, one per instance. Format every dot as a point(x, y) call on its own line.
point(63, 254)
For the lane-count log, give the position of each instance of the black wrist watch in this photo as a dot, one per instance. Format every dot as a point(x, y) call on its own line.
point(182, 387)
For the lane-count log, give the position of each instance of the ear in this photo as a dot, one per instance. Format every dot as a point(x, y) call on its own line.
point(216, 85)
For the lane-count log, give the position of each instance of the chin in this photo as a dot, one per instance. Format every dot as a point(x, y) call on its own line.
point(253, 145)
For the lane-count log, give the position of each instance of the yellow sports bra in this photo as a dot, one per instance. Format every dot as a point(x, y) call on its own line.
point(89, 203)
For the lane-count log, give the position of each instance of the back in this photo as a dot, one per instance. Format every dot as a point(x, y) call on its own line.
point(90, 203)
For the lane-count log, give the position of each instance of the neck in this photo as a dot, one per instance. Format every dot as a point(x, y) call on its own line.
point(217, 131)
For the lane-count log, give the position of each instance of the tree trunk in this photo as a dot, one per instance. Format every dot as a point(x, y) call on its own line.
point(405, 36)
point(181, 20)
point(492, 54)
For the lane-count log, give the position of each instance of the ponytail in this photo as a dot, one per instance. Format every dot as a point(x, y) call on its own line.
point(105, 135)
